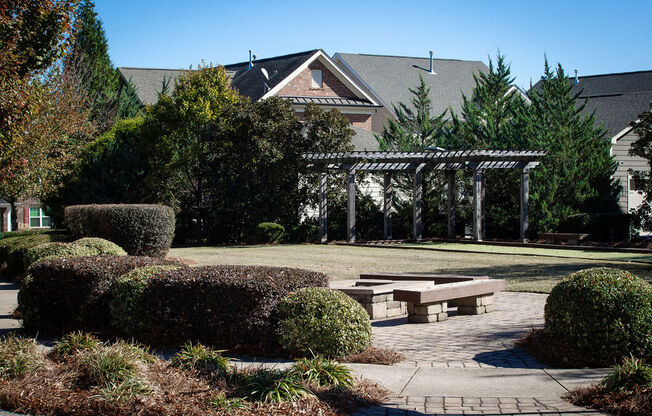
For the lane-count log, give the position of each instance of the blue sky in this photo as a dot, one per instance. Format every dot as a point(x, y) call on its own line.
point(594, 37)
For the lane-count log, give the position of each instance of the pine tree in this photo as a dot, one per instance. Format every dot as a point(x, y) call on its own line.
point(642, 147)
point(575, 176)
point(414, 128)
point(89, 57)
point(488, 121)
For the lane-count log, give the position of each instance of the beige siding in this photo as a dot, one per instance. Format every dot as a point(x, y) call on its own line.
point(620, 151)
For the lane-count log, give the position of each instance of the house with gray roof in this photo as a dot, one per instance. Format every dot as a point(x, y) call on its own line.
point(616, 100)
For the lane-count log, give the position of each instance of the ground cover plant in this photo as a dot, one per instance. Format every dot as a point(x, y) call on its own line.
point(141, 230)
point(626, 391)
point(123, 379)
point(595, 317)
point(535, 272)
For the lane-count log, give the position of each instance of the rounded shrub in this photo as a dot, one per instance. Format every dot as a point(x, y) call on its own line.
point(601, 311)
point(269, 232)
point(324, 322)
point(127, 311)
point(14, 249)
point(142, 230)
point(79, 248)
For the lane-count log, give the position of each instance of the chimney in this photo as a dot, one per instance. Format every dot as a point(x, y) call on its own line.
point(432, 70)
point(251, 61)
point(577, 80)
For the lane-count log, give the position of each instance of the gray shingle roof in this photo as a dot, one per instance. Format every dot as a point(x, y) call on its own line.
point(364, 140)
point(391, 76)
point(149, 81)
point(617, 99)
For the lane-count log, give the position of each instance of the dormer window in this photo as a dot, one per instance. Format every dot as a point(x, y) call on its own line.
point(316, 79)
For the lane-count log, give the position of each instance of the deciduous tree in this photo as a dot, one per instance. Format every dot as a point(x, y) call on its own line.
point(642, 147)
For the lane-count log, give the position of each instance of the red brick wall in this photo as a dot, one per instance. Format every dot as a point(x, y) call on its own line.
point(301, 84)
point(360, 120)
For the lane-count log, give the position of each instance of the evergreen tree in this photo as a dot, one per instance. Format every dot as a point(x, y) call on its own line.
point(575, 176)
point(89, 57)
point(488, 121)
point(642, 147)
point(414, 128)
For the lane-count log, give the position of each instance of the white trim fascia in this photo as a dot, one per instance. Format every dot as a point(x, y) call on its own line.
point(300, 108)
point(328, 63)
point(623, 132)
point(520, 91)
point(337, 57)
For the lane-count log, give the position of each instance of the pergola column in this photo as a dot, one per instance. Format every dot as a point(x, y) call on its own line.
point(451, 197)
point(477, 205)
point(525, 199)
point(387, 206)
point(350, 206)
point(323, 207)
point(417, 206)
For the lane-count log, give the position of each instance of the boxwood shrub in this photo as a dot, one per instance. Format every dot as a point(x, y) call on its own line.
point(601, 311)
point(89, 246)
point(269, 232)
point(127, 313)
point(226, 306)
point(14, 249)
point(142, 230)
point(324, 322)
point(73, 293)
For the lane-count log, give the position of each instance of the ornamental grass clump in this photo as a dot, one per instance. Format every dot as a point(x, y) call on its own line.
point(18, 356)
point(204, 360)
point(274, 386)
point(631, 374)
point(74, 343)
point(601, 312)
point(323, 372)
point(323, 322)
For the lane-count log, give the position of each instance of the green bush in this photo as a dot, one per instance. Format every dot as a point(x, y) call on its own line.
point(142, 230)
point(269, 232)
point(127, 312)
point(323, 322)
point(60, 234)
point(601, 311)
point(18, 356)
point(274, 386)
point(632, 373)
point(82, 247)
point(74, 293)
point(14, 249)
point(74, 343)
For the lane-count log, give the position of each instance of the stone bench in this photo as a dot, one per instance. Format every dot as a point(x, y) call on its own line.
point(437, 278)
point(376, 296)
point(429, 303)
point(567, 238)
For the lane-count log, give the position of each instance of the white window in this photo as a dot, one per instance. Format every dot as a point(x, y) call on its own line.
point(38, 219)
point(316, 79)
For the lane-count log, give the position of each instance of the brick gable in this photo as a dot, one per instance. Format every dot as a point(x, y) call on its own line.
point(301, 84)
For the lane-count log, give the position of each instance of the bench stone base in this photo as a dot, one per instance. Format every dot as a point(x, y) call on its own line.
point(427, 312)
point(475, 305)
point(381, 306)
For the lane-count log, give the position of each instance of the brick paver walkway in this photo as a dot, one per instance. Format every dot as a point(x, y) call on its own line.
point(467, 340)
point(432, 405)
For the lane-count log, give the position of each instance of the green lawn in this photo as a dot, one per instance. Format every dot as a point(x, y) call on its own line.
point(523, 273)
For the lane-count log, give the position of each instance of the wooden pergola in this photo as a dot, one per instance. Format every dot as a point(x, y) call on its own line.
point(417, 163)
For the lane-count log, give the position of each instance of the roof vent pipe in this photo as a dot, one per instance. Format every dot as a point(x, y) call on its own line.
point(577, 80)
point(251, 60)
point(432, 71)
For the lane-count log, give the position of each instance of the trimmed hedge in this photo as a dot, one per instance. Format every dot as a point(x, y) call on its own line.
point(323, 322)
point(142, 230)
point(89, 246)
point(269, 232)
point(603, 312)
point(14, 249)
point(73, 293)
point(127, 313)
point(227, 306)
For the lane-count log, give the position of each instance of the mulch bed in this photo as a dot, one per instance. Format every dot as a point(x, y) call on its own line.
point(53, 390)
point(375, 355)
point(627, 403)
